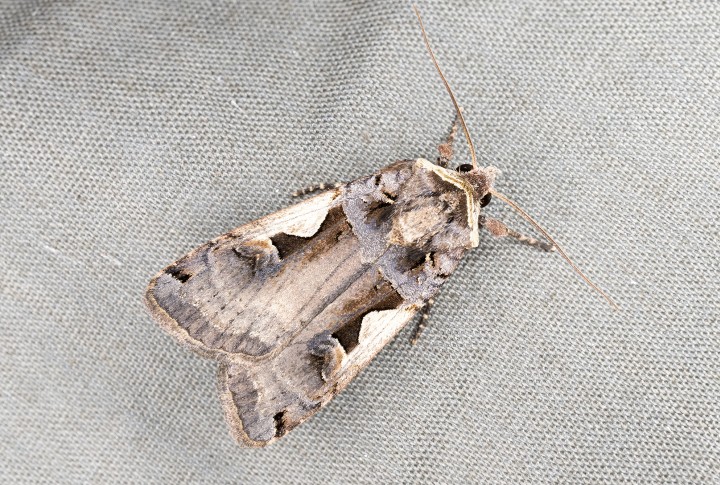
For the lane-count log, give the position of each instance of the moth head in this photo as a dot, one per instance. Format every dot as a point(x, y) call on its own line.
point(481, 180)
point(474, 183)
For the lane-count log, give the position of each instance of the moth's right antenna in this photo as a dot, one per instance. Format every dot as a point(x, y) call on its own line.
point(560, 250)
point(449, 90)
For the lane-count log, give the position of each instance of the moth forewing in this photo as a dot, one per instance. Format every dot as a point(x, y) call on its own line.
point(173, 294)
point(295, 304)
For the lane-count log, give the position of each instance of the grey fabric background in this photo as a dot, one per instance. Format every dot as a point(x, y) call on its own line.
point(132, 132)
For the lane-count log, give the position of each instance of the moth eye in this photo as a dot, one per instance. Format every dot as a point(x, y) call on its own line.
point(465, 167)
point(485, 200)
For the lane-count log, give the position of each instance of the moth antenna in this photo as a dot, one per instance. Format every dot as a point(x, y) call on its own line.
point(449, 90)
point(560, 250)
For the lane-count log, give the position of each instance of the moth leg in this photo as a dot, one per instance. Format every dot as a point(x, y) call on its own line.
point(422, 322)
point(316, 188)
point(499, 229)
point(446, 149)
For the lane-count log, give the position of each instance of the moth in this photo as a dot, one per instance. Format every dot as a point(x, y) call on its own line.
point(295, 304)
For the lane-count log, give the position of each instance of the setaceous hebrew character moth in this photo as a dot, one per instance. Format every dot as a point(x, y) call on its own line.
point(295, 304)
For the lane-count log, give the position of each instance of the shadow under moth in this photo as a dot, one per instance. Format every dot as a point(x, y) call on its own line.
point(295, 304)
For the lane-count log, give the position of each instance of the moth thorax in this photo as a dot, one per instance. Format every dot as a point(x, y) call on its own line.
point(415, 227)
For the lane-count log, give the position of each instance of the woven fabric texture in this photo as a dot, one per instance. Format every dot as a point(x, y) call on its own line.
point(131, 132)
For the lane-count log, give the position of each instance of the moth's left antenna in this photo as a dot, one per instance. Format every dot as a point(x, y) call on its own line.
point(449, 90)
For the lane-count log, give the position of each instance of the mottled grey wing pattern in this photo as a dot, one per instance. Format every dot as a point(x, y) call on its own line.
point(295, 304)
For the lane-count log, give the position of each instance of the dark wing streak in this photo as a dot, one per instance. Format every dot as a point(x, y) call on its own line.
point(337, 268)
